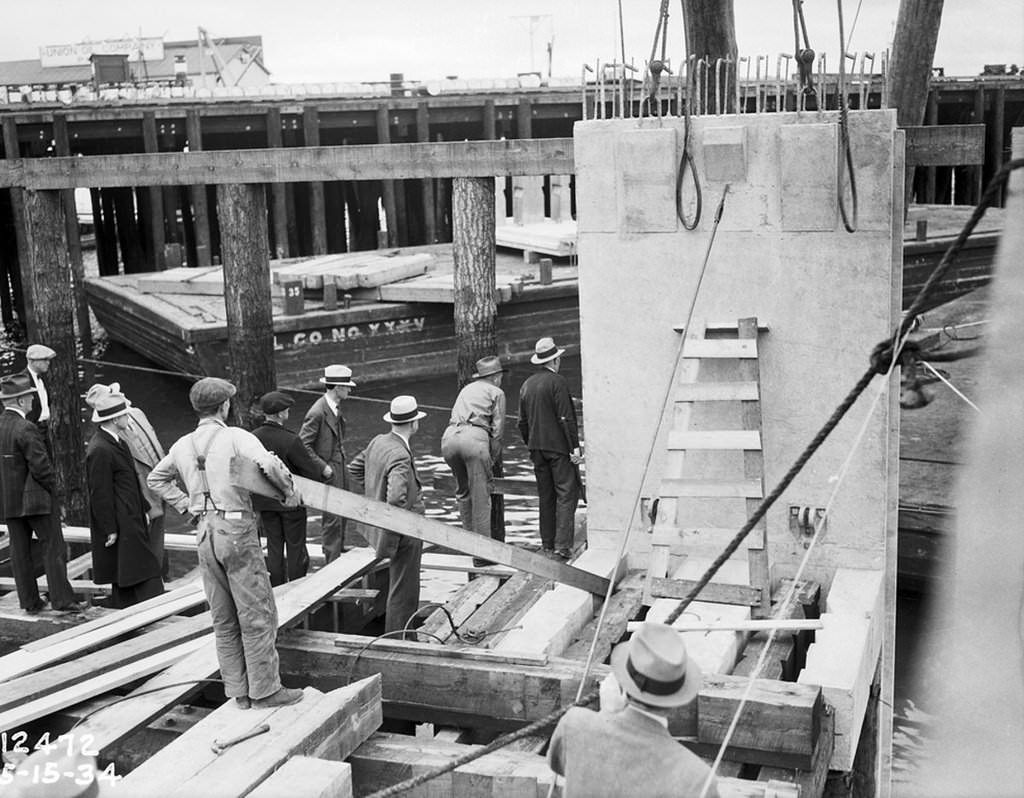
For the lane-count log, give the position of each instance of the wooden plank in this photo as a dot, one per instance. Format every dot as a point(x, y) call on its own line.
point(77, 585)
point(503, 610)
point(743, 625)
point(717, 392)
point(183, 280)
point(719, 348)
point(332, 725)
point(296, 164)
point(293, 600)
point(623, 606)
point(320, 778)
point(456, 651)
point(739, 439)
point(711, 488)
point(811, 780)
point(327, 498)
point(945, 145)
point(459, 607)
point(715, 592)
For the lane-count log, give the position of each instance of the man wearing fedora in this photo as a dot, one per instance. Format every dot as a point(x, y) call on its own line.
point(28, 502)
point(630, 751)
point(122, 552)
point(146, 451)
point(386, 471)
point(231, 563)
point(472, 443)
point(323, 433)
point(547, 422)
point(284, 527)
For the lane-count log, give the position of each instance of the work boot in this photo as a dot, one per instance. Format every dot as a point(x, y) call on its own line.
point(563, 554)
point(282, 698)
point(243, 702)
point(74, 606)
point(37, 607)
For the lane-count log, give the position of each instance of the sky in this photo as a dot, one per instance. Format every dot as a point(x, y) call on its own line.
point(314, 41)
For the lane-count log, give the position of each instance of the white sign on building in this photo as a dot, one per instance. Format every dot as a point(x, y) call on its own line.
point(136, 48)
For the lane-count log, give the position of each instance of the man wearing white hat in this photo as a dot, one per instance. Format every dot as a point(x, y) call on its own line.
point(386, 471)
point(122, 552)
point(630, 752)
point(547, 422)
point(323, 433)
point(472, 442)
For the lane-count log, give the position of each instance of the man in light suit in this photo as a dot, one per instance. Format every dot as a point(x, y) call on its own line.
point(27, 500)
point(386, 471)
point(629, 751)
point(323, 433)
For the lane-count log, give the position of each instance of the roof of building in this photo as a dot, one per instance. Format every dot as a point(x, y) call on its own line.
point(241, 49)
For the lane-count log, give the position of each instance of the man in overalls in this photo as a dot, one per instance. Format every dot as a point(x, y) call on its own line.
point(231, 562)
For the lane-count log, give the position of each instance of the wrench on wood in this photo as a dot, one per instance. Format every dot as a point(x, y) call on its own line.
point(218, 747)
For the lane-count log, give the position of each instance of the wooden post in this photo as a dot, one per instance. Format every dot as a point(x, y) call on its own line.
point(103, 259)
point(317, 214)
point(242, 214)
point(524, 119)
point(123, 229)
point(200, 207)
point(156, 198)
point(998, 134)
point(978, 172)
point(910, 69)
point(475, 308)
point(490, 121)
point(22, 301)
point(711, 33)
point(63, 147)
point(931, 118)
point(47, 282)
point(278, 192)
point(427, 184)
point(388, 186)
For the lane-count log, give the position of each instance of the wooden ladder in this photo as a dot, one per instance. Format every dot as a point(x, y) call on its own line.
point(714, 459)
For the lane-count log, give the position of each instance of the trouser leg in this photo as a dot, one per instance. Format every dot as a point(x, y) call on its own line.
point(451, 451)
point(226, 632)
point(404, 590)
point(567, 491)
point(156, 542)
point(24, 571)
point(293, 528)
point(55, 558)
point(272, 526)
point(332, 527)
point(546, 497)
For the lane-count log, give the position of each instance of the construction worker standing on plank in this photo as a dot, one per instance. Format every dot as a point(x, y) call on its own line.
point(231, 562)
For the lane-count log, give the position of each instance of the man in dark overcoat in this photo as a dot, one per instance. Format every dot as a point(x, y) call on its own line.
point(386, 471)
point(547, 422)
point(27, 501)
point(122, 553)
point(283, 527)
point(323, 433)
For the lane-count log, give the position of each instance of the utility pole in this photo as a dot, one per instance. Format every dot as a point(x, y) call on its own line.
point(711, 34)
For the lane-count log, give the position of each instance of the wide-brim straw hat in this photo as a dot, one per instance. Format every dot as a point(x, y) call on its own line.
point(404, 410)
point(545, 350)
point(338, 375)
point(653, 667)
point(488, 367)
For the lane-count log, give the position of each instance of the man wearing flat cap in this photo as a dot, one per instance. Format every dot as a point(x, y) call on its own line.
point(323, 433)
point(28, 501)
point(123, 554)
point(231, 563)
point(472, 443)
point(283, 527)
point(547, 422)
point(38, 358)
point(609, 754)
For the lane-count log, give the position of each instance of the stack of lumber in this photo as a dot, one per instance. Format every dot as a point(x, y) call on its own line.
point(436, 287)
point(353, 269)
point(548, 236)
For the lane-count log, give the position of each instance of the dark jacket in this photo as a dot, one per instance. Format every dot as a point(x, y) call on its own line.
point(289, 447)
point(27, 480)
point(384, 471)
point(116, 505)
point(544, 400)
point(37, 407)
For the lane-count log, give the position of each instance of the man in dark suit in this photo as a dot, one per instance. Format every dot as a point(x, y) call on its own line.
point(284, 527)
point(122, 552)
point(27, 486)
point(547, 422)
point(385, 471)
point(323, 433)
point(38, 359)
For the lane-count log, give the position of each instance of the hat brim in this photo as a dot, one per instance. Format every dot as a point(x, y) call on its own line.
point(332, 383)
point(26, 392)
point(98, 419)
point(684, 695)
point(419, 414)
point(539, 360)
point(479, 376)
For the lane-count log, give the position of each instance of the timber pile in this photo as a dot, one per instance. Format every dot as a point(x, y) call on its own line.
point(548, 236)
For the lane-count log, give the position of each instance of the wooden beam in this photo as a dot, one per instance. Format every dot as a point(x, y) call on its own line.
point(623, 606)
point(317, 217)
point(62, 146)
point(278, 192)
point(200, 206)
point(713, 592)
point(331, 725)
point(296, 164)
point(945, 145)
point(327, 498)
point(156, 198)
point(459, 607)
point(320, 778)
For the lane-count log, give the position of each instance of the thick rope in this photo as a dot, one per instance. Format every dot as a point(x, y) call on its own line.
point(877, 367)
